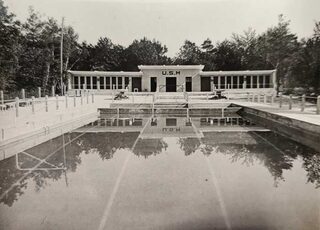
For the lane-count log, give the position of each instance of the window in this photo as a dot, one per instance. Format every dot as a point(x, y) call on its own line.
point(108, 83)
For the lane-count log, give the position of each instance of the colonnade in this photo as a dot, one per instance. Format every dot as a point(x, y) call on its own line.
point(242, 82)
point(100, 83)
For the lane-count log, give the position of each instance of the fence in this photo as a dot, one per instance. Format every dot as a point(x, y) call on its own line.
point(24, 114)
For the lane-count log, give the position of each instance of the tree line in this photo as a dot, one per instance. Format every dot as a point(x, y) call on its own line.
point(30, 53)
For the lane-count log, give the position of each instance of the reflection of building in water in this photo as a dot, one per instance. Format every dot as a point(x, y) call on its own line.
point(170, 126)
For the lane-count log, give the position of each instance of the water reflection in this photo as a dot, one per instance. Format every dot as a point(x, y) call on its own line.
point(238, 139)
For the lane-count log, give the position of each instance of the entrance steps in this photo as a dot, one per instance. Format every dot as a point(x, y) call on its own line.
point(170, 95)
point(169, 105)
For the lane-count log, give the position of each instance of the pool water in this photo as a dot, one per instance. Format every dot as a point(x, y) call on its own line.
point(165, 172)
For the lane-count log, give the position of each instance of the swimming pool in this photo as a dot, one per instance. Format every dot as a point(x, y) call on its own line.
point(164, 172)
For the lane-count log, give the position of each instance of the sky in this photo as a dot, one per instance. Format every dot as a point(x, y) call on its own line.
point(172, 22)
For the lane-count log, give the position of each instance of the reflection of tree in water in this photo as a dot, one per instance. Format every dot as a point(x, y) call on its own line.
point(189, 145)
point(311, 164)
point(106, 144)
point(256, 146)
point(10, 175)
point(148, 147)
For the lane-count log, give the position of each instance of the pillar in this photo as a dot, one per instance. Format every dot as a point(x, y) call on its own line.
point(98, 83)
point(91, 82)
point(264, 81)
point(231, 82)
point(258, 80)
point(69, 83)
point(79, 82)
point(251, 81)
point(219, 82)
point(238, 82)
point(130, 85)
point(123, 83)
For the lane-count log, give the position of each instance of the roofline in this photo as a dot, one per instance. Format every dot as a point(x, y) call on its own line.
point(235, 73)
point(104, 73)
point(170, 67)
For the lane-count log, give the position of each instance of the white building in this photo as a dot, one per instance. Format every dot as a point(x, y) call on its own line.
point(172, 78)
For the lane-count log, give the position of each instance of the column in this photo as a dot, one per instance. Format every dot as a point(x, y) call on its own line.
point(244, 82)
point(251, 81)
point(238, 82)
point(258, 81)
point(264, 81)
point(130, 84)
point(69, 82)
point(111, 83)
point(91, 82)
point(231, 86)
point(79, 82)
point(225, 82)
point(105, 83)
point(98, 83)
point(123, 83)
point(219, 82)
point(117, 83)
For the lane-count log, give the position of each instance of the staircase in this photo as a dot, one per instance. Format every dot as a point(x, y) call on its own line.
point(170, 100)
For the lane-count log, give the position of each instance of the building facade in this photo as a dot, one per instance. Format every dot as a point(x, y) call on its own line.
point(171, 78)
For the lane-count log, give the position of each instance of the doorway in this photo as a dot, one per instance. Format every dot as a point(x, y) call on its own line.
point(153, 84)
point(171, 84)
point(188, 84)
point(205, 84)
point(136, 84)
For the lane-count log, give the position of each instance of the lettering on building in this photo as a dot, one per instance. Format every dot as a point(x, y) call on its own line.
point(170, 72)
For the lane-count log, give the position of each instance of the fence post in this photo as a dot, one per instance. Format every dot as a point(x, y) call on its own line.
point(46, 102)
point(64, 92)
point(290, 101)
point(17, 106)
point(66, 98)
point(32, 106)
point(280, 100)
point(303, 102)
point(39, 92)
point(318, 105)
point(53, 91)
point(23, 94)
point(87, 97)
point(92, 97)
point(1, 97)
point(2, 134)
point(57, 102)
point(74, 100)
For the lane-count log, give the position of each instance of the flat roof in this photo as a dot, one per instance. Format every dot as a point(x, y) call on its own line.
point(235, 73)
point(104, 73)
point(169, 67)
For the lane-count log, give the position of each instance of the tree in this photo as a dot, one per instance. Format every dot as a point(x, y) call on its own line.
point(144, 52)
point(277, 47)
point(10, 37)
point(106, 55)
point(246, 45)
point(305, 68)
point(227, 56)
point(189, 54)
point(207, 55)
